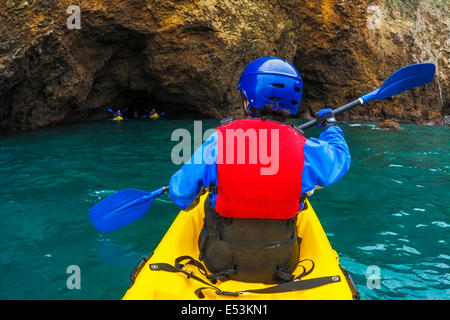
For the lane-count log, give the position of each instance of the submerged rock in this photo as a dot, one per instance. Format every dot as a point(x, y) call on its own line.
point(185, 57)
point(388, 124)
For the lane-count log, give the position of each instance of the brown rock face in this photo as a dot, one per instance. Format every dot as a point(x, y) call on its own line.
point(348, 48)
point(185, 57)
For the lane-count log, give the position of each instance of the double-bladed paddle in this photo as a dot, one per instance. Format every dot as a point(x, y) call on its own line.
point(414, 75)
point(122, 208)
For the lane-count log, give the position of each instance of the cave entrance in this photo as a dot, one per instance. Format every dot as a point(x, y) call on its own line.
point(137, 103)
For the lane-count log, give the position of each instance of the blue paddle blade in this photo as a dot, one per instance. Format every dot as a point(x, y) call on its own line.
point(110, 110)
point(122, 208)
point(406, 78)
point(162, 114)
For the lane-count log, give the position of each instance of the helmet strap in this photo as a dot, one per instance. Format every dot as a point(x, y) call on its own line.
point(247, 108)
point(244, 108)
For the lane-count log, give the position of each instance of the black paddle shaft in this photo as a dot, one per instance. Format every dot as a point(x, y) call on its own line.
point(337, 111)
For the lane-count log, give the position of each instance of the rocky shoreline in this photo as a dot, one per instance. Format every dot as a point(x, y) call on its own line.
point(186, 56)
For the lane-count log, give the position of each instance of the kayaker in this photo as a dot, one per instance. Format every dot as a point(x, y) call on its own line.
point(249, 232)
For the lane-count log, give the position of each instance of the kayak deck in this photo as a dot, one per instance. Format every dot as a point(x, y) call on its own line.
point(182, 239)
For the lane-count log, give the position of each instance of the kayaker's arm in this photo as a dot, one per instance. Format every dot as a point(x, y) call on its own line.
point(187, 182)
point(327, 159)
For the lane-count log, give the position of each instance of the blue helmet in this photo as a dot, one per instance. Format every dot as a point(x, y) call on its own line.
point(271, 81)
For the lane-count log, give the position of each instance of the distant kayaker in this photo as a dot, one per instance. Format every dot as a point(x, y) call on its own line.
point(249, 232)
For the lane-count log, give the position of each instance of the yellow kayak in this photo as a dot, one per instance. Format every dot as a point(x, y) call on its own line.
point(182, 240)
point(119, 118)
point(154, 116)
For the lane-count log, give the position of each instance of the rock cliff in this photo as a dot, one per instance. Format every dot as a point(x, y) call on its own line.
point(185, 56)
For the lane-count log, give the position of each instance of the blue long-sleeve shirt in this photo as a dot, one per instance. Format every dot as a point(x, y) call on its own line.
point(327, 159)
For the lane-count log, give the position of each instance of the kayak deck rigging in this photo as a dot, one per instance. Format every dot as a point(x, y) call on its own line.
point(182, 240)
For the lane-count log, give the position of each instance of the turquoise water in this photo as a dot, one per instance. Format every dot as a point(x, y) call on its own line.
point(391, 210)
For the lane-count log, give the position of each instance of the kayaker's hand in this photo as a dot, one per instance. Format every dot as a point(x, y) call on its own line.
point(325, 118)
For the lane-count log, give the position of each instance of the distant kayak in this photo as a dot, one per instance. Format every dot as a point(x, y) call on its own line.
point(153, 115)
point(118, 118)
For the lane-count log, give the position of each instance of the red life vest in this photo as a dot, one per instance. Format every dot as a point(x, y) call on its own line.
point(259, 170)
